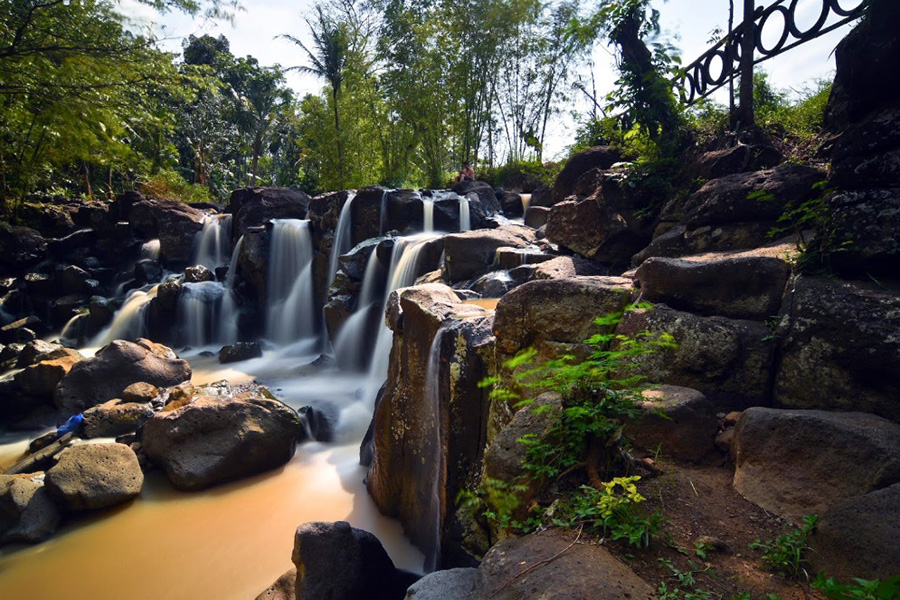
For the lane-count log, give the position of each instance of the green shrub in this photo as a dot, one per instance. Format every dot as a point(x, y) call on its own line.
point(169, 184)
point(860, 589)
point(785, 554)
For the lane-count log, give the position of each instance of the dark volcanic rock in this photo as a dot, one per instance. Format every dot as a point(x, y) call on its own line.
point(567, 572)
point(93, 476)
point(173, 222)
point(745, 285)
point(839, 348)
point(239, 351)
point(729, 360)
point(602, 157)
point(27, 513)
point(678, 422)
point(114, 368)
point(219, 435)
point(340, 562)
point(20, 247)
point(253, 206)
point(857, 537)
point(471, 254)
point(801, 462)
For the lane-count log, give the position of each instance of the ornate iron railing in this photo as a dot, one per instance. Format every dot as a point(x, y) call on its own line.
point(721, 63)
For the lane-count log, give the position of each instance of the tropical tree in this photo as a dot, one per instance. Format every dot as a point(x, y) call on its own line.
point(327, 60)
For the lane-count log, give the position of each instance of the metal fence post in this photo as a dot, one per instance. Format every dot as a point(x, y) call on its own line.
point(748, 45)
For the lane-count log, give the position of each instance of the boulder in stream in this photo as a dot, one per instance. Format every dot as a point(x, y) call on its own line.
point(115, 367)
point(93, 476)
point(339, 562)
point(218, 433)
point(27, 513)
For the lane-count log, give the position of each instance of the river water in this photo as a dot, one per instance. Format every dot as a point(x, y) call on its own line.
point(230, 542)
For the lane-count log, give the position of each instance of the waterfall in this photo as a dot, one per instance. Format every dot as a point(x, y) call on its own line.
point(150, 250)
point(291, 310)
point(129, 320)
point(526, 202)
point(432, 456)
point(200, 313)
point(402, 273)
point(228, 317)
point(465, 219)
point(343, 237)
point(350, 347)
point(213, 243)
point(427, 215)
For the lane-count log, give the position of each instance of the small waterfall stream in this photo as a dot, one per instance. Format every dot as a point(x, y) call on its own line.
point(432, 455)
point(291, 310)
point(213, 244)
point(465, 218)
point(343, 237)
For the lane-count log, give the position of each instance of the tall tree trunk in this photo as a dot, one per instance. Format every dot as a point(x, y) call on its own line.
point(340, 147)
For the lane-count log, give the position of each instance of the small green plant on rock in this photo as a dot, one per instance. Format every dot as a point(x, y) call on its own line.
point(599, 396)
point(784, 554)
point(860, 589)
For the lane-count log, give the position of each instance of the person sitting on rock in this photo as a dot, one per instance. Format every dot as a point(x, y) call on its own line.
point(466, 173)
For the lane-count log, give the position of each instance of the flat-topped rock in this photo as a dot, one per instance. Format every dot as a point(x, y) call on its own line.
point(576, 572)
point(738, 285)
point(93, 476)
point(800, 462)
point(471, 254)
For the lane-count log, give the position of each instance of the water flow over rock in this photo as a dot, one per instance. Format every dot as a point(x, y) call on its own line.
point(291, 312)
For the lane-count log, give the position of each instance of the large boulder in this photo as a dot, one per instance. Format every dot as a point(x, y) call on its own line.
point(608, 226)
point(799, 462)
point(866, 61)
point(867, 224)
point(569, 571)
point(339, 562)
point(20, 247)
point(174, 223)
point(218, 434)
point(598, 157)
point(739, 158)
point(678, 422)
point(253, 206)
point(471, 254)
point(739, 285)
point(554, 317)
point(41, 378)
point(839, 348)
point(736, 212)
point(429, 424)
point(729, 360)
point(113, 368)
point(27, 513)
point(857, 537)
point(481, 190)
point(92, 476)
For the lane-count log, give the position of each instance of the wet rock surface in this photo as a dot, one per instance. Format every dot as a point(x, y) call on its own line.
point(217, 433)
point(93, 476)
point(27, 513)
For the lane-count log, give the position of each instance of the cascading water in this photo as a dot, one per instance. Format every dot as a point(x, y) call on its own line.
point(350, 347)
point(200, 314)
point(383, 214)
point(128, 323)
point(526, 202)
point(403, 272)
point(465, 218)
point(150, 250)
point(343, 235)
point(427, 214)
point(291, 310)
point(433, 466)
point(213, 243)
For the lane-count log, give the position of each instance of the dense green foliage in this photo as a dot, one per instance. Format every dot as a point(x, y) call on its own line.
point(599, 396)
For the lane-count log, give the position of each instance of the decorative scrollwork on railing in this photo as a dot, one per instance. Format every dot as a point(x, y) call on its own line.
point(721, 63)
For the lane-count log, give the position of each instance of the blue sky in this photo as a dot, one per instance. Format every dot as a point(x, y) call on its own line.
point(687, 23)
